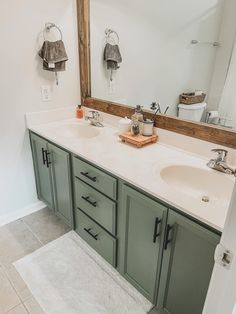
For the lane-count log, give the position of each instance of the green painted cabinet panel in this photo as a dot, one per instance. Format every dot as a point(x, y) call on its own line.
point(42, 173)
point(188, 261)
point(61, 181)
point(95, 236)
point(96, 205)
point(98, 179)
point(144, 225)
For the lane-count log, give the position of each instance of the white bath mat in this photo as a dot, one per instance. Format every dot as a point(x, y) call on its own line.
point(66, 277)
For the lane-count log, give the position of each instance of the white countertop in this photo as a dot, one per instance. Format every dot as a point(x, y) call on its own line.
point(140, 167)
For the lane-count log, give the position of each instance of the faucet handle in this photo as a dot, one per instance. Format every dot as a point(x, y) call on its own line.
point(222, 153)
point(95, 114)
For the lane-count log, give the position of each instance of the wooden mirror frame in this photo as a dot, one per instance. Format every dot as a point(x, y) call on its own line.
point(202, 131)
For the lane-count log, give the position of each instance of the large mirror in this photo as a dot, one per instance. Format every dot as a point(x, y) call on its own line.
point(154, 51)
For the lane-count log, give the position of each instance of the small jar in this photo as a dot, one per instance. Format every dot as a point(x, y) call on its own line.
point(147, 129)
point(135, 129)
point(124, 125)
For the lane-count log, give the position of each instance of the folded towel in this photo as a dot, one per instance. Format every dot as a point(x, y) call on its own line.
point(112, 56)
point(54, 56)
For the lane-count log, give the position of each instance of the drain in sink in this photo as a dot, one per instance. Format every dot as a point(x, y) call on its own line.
point(206, 199)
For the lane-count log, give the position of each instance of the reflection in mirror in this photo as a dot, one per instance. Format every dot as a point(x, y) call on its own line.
point(144, 52)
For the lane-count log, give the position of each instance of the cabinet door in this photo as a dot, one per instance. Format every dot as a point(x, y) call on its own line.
point(145, 221)
point(188, 262)
point(42, 172)
point(61, 181)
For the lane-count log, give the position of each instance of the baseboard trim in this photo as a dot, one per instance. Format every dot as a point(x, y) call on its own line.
point(5, 219)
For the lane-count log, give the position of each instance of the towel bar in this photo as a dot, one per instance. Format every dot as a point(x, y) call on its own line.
point(109, 32)
point(49, 26)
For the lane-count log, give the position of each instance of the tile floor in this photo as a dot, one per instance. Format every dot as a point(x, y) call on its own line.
point(18, 239)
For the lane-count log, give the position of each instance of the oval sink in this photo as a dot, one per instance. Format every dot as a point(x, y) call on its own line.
point(76, 130)
point(203, 184)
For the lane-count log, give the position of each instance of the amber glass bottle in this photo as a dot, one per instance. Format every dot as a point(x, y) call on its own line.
point(79, 112)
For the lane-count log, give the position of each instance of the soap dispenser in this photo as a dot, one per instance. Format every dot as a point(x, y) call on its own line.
point(79, 112)
point(138, 114)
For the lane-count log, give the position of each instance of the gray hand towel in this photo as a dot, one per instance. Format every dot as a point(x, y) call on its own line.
point(112, 56)
point(54, 56)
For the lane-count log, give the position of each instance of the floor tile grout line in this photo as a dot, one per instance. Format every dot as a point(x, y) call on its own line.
point(26, 307)
point(35, 299)
point(35, 235)
point(21, 303)
point(10, 282)
point(14, 288)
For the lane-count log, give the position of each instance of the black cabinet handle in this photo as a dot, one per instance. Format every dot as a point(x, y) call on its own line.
point(95, 236)
point(167, 240)
point(156, 232)
point(86, 174)
point(44, 156)
point(47, 158)
point(87, 199)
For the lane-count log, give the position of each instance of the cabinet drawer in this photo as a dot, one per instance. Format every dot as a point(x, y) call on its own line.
point(96, 237)
point(95, 177)
point(96, 205)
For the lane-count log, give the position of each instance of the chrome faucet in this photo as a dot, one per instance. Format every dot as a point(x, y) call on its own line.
point(95, 118)
point(220, 163)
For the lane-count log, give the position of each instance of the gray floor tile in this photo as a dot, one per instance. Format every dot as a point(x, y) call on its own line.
point(16, 241)
point(45, 212)
point(46, 226)
point(18, 283)
point(8, 297)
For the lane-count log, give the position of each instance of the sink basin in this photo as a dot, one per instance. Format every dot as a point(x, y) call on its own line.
point(204, 184)
point(74, 130)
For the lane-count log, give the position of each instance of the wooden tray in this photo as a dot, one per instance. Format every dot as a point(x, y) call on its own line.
point(138, 140)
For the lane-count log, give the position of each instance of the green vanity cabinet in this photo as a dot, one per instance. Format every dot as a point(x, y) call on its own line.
point(41, 167)
point(165, 255)
point(188, 261)
point(53, 177)
point(61, 182)
point(144, 226)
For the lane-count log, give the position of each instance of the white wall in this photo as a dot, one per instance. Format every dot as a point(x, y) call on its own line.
point(158, 61)
point(20, 91)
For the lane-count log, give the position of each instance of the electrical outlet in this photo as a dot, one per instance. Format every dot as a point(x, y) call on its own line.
point(46, 93)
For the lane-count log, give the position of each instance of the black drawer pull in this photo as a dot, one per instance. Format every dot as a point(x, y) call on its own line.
point(86, 174)
point(95, 236)
point(47, 158)
point(87, 199)
point(44, 157)
point(156, 232)
point(167, 240)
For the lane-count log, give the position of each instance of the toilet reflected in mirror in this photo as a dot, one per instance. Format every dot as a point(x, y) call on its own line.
point(191, 112)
